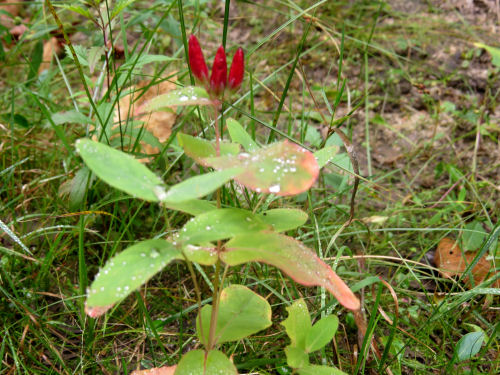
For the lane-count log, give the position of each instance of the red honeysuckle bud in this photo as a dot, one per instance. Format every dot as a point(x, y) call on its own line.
point(237, 70)
point(218, 79)
point(197, 61)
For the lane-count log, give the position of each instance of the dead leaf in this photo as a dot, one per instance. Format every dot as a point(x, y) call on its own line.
point(452, 261)
point(159, 123)
point(50, 48)
point(13, 9)
point(166, 370)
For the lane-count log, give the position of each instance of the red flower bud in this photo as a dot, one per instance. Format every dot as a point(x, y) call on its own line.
point(237, 70)
point(197, 61)
point(218, 79)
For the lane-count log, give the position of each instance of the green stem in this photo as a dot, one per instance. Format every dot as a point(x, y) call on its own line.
point(216, 280)
point(215, 307)
point(198, 293)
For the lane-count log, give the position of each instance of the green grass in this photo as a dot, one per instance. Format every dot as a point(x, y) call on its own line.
point(413, 142)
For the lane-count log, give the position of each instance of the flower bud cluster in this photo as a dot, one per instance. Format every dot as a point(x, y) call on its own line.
point(219, 79)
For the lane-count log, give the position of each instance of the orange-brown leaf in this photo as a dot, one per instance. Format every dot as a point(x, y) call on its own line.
point(452, 261)
point(165, 370)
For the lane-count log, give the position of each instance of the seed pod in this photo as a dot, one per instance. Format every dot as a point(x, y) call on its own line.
point(237, 70)
point(218, 79)
point(197, 61)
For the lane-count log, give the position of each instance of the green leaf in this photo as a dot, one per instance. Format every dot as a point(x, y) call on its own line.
point(239, 135)
point(283, 219)
point(220, 224)
point(469, 345)
point(298, 324)
point(320, 370)
point(94, 56)
point(494, 52)
point(293, 258)
point(283, 168)
point(80, 52)
point(326, 154)
point(295, 357)
point(204, 254)
point(321, 333)
point(79, 187)
point(119, 6)
point(120, 170)
point(473, 238)
point(192, 207)
point(76, 9)
point(241, 314)
point(194, 362)
point(138, 62)
point(72, 116)
point(125, 272)
point(198, 186)
point(35, 60)
point(189, 95)
point(198, 148)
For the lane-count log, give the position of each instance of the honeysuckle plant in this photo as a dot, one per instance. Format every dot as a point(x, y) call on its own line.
point(221, 237)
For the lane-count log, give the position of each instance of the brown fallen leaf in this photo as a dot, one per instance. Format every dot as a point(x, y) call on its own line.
point(166, 370)
point(159, 123)
point(13, 9)
point(452, 261)
point(50, 48)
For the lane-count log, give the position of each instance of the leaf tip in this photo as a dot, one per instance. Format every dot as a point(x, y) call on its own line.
point(96, 311)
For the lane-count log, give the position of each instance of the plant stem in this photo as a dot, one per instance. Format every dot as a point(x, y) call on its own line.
point(216, 281)
point(215, 306)
point(198, 292)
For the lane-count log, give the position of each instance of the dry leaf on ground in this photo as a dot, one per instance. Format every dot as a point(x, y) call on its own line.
point(158, 123)
point(452, 261)
point(13, 9)
point(50, 48)
point(167, 370)
point(130, 108)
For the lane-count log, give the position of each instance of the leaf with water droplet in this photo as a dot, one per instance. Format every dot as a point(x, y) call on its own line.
point(189, 95)
point(282, 168)
point(283, 219)
point(198, 362)
point(242, 313)
point(198, 148)
point(297, 324)
point(199, 186)
point(239, 135)
point(321, 333)
point(120, 170)
point(192, 207)
point(205, 254)
point(326, 154)
point(221, 224)
point(293, 258)
point(125, 272)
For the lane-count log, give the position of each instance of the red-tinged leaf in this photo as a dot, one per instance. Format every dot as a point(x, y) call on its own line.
point(95, 312)
point(199, 149)
point(293, 258)
point(283, 168)
point(127, 271)
point(165, 370)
